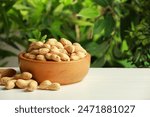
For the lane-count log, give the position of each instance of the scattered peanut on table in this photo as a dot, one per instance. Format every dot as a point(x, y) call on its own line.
point(32, 86)
point(22, 84)
point(47, 85)
point(10, 84)
point(24, 81)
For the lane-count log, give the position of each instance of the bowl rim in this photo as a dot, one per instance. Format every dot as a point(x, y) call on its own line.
point(20, 56)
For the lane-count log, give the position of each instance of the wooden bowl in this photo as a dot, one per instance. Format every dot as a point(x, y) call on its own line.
point(61, 72)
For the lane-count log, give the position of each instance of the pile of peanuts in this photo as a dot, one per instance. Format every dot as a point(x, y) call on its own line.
point(24, 81)
point(53, 50)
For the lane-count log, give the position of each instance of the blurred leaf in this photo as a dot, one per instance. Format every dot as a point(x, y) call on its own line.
point(109, 24)
point(77, 7)
point(6, 21)
point(32, 40)
point(3, 64)
point(137, 56)
point(99, 26)
point(66, 2)
point(58, 9)
point(43, 38)
point(103, 3)
point(11, 42)
point(126, 63)
point(120, 10)
point(99, 62)
point(89, 13)
point(17, 40)
point(34, 3)
point(48, 6)
point(20, 7)
point(7, 4)
point(83, 23)
point(146, 42)
point(35, 12)
point(16, 16)
point(68, 34)
point(117, 51)
point(130, 17)
point(6, 53)
point(37, 34)
point(55, 29)
point(97, 50)
point(124, 46)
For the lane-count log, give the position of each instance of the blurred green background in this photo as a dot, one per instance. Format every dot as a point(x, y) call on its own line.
point(115, 32)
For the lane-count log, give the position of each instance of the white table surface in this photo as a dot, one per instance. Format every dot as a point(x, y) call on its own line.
point(99, 84)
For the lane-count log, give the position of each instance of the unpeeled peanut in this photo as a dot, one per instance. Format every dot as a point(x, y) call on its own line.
point(74, 57)
point(26, 75)
point(46, 46)
point(31, 56)
point(79, 48)
point(26, 55)
point(20, 83)
point(43, 51)
point(63, 51)
point(55, 57)
point(51, 41)
point(48, 56)
point(35, 52)
point(36, 45)
point(76, 44)
point(45, 84)
point(55, 51)
point(64, 57)
point(32, 86)
point(70, 48)
point(7, 72)
point(59, 45)
point(81, 54)
point(10, 84)
point(30, 49)
point(4, 80)
point(65, 41)
point(40, 57)
point(54, 86)
point(17, 76)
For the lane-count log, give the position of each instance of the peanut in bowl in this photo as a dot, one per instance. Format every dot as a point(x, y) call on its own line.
point(63, 72)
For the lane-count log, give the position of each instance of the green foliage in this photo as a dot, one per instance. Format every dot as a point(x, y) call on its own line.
point(104, 3)
point(88, 13)
point(138, 37)
point(108, 29)
point(140, 45)
point(6, 53)
point(37, 36)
